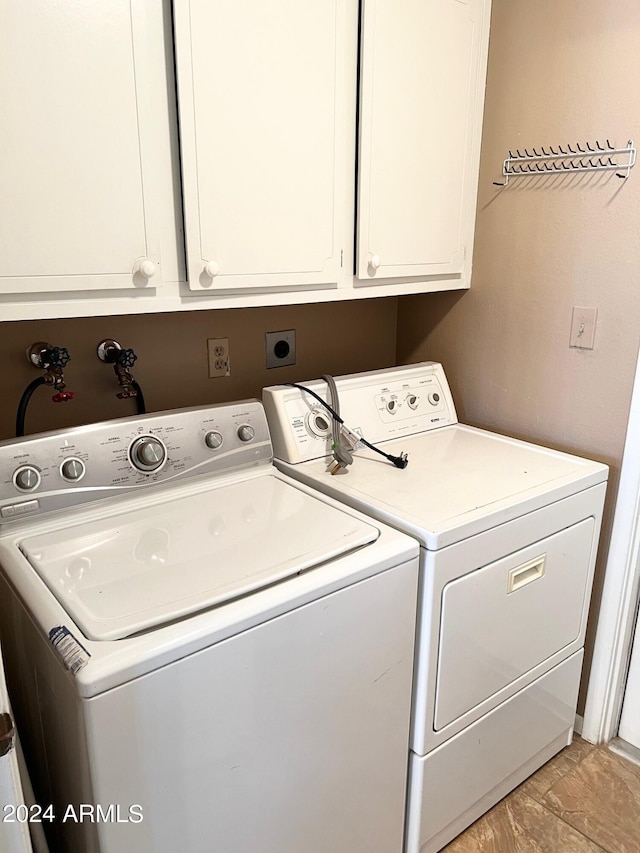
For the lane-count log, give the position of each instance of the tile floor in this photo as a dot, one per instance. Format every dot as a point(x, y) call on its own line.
point(585, 800)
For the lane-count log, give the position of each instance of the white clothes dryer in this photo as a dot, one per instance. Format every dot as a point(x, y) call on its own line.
point(202, 654)
point(508, 533)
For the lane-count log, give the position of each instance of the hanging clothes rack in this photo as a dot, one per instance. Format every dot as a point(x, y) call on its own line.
point(572, 160)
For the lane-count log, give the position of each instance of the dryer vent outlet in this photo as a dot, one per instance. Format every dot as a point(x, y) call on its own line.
point(281, 348)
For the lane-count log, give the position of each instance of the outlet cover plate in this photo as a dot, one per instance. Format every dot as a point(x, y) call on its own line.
point(281, 348)
point(218, 357)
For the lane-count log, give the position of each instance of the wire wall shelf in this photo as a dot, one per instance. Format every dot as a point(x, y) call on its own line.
point(569, 160)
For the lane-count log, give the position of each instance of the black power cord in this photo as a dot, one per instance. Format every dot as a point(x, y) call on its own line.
point(399, 461)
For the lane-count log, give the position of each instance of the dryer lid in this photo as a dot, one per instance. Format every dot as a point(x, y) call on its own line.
point(132, 571)
point(460, 481)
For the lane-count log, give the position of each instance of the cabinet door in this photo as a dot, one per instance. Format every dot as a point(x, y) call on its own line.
point(423, 66)
point(77, 134)
point(261, 91)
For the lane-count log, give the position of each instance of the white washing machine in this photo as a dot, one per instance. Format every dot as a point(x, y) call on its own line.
point(508, 533)
point(202, 654)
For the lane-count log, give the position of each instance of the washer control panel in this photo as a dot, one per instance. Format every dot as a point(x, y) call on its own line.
point(380, 405)
point(49, 471)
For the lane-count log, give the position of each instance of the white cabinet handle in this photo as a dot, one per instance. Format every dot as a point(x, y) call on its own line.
point(212, 269)
point(145, 267)
point(374, 261)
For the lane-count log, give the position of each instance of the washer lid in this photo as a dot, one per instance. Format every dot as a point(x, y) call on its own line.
point(132, 571)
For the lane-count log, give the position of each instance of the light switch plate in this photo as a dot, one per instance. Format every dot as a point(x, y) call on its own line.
point(583, 327)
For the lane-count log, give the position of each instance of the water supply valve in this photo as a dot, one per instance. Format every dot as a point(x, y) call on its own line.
point(122, 360)
point(52, 360)
point(63, 396)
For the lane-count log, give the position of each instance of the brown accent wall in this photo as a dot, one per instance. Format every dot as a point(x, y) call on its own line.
point(172, 366)
point(559, 72)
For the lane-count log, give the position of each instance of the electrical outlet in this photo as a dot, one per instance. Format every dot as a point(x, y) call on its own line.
point(218, 355)
point(281, 348)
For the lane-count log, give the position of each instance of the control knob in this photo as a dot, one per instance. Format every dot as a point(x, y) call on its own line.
point(246, 432)
point(412, 401)
point(318, 423)
point(213, 439)
point(148, 453)
point(73, 469)
point(392, 407)
point(27, 478)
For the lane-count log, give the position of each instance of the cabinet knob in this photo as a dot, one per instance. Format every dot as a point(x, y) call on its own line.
point(145, 267)
point(212, 268)
point(374, 261)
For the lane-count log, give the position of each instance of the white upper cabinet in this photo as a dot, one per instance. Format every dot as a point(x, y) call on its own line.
point(423, 65)
point(261, 88)
point(78, 134)
point(282, 180)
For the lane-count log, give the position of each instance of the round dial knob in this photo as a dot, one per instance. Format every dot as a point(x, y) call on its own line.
point(246, 432)
point(412, 401)
point(392, 406)
point(213, 440)
point(318, 423)
point(434, 398)
point(148, 453)
point(27, 478)
point(73, 469)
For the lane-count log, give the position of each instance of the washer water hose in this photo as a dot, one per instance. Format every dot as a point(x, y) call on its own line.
point(24, 402)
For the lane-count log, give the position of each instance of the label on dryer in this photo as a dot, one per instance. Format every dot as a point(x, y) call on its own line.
point(74, 656)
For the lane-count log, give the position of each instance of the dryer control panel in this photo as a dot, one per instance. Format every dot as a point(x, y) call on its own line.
point(64, 468)
point(380, 405)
